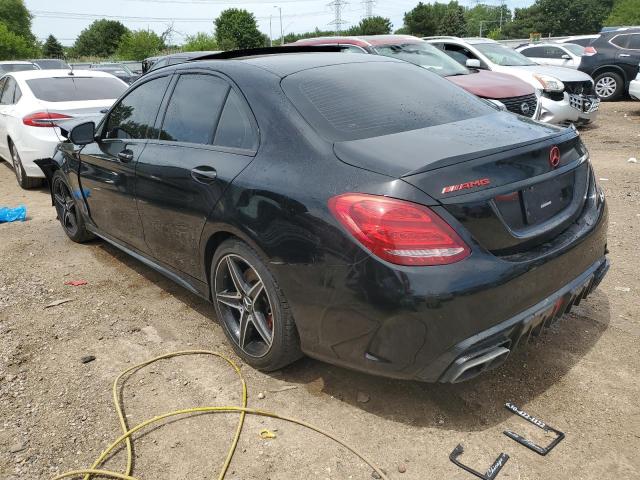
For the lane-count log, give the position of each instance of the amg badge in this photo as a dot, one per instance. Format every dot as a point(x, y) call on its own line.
point(482, 182)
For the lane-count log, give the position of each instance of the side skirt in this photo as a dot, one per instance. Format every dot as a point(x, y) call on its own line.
point(194, 286)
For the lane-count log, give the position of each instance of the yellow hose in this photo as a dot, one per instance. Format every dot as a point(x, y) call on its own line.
point(95, 470)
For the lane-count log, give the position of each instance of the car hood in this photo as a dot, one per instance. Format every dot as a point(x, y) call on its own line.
point(527, 73)
point(407, 153)
point(494, 85)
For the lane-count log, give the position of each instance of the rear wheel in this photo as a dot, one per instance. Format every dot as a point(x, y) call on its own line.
point(68, 214)
point(609, 86)
point(24, 181)
point(252, 309)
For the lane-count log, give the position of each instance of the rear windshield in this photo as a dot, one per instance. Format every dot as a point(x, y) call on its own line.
point(72, 89)
point(363, 100)
point(52, 64)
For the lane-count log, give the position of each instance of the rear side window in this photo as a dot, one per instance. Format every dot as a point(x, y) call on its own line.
point(73, 89)
point(194, 109)
point(135, 115)
point(362, 100)
point(235, 129)
point(8, 92)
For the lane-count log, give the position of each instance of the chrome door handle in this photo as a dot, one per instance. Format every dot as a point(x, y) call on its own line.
point(125, 156)
point(625, 55)
point(204, 174)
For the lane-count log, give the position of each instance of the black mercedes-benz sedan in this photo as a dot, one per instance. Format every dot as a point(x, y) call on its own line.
point(353, 208)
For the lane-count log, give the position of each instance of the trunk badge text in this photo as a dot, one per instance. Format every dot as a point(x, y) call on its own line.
point(482, 182)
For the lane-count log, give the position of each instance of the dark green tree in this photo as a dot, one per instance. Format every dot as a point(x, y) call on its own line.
point(372, 26)
point(13, 46)
point(453, 21)
point(101, 39)
point(421, 20)
point(14, 14)
point(52, 48)
point(624, 13)
point(236, 28)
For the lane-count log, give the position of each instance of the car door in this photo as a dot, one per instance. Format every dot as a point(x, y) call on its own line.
point(555, 56)
point(208, 136)
point(4, 144)
point(107, 169)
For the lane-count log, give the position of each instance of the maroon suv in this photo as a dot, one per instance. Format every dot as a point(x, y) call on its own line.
point(517, 96)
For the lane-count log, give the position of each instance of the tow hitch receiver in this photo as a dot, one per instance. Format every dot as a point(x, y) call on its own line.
point(493, 470)
point(538, 423)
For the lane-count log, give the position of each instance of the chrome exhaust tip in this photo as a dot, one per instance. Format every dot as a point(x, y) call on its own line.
point(470, 366)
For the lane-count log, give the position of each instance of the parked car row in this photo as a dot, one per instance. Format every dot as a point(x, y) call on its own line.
point(355, 208)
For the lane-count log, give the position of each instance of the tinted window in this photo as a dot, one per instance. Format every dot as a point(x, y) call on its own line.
point(621, 41)
point(235, 128)
point(134, 116)
point(634, 41)
point(194, 109)
point(8, 92)
point(534, 52)
point(16, 67)
point(361, 100)
point(71, 89)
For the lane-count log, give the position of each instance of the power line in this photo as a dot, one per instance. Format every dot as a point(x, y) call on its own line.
point(368, 8)
point(337, 12)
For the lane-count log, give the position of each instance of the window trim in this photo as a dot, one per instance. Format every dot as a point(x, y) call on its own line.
point(248, 152)
point(100, 129)
point(623, 35)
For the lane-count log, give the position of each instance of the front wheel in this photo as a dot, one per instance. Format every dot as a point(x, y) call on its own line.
point(252, 309)
point(68, 214)
point(609, 86)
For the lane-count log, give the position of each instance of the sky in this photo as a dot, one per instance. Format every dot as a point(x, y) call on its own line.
point(67, 18)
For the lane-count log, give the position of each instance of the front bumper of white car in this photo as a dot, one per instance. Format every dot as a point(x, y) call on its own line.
point(634, 88)
point(572, 108)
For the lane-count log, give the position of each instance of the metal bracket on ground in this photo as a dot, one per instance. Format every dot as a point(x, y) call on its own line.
point(492, 471)
point(538, 423)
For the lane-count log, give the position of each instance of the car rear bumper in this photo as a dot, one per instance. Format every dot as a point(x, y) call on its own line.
point(571, 109)
point(33, 144)
point(416, 323)
point(634, 88)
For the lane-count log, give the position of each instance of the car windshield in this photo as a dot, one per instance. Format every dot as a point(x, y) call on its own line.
point(74, 89)
point(577, 50)
point(424, 55)
point(369, 99)
point(504, 56)
point(16, 67)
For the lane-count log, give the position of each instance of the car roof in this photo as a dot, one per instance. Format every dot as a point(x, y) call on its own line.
point(547, 44)
point(468, 40)
point(283, 64)
point(361, 40)
point(33, 74)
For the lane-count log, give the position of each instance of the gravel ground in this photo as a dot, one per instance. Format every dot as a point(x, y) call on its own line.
point(56, 412)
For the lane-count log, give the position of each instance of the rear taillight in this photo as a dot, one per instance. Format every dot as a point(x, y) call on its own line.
point(44, 119)
point(399, 232)
point(589, 51)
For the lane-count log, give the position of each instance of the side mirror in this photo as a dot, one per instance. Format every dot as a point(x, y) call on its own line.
point(473, 63)
point(83, 134)
point(566, 57)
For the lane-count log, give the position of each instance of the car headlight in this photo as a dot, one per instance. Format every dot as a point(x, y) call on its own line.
point(549, 83)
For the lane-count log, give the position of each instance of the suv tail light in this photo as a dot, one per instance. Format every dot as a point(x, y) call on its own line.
point(397, 231)
point(43, 119)
point(589, 51)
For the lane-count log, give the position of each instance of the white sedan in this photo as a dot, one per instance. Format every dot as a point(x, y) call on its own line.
point(33, 102)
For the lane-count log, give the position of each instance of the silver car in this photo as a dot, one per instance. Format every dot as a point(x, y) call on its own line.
point(559, 54)
point(566, 95)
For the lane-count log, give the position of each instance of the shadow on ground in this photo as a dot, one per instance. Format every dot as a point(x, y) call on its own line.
point(472, 406)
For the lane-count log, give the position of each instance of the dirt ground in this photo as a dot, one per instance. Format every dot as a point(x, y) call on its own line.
point(56, 412)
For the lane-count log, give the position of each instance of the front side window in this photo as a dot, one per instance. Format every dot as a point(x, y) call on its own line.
point(424, 55)
point(194, 109)
point(135, 115)
point(534, 52)
point(577, 50)
point(554, 52)
point(504, 56)
point(370, 99)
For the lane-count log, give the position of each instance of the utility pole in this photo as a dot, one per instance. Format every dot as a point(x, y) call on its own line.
point(270, 32)
point(281, 28)
point(368, 8)
point(337, 9)
point(501, 12)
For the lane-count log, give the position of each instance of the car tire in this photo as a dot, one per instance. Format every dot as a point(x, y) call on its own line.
point(68, 213)
point(609, 86)
point(252, 309)
point(27, 183)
